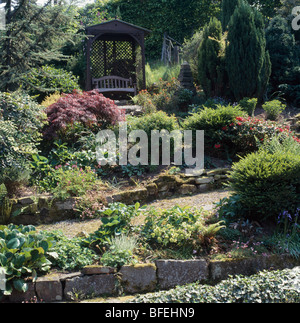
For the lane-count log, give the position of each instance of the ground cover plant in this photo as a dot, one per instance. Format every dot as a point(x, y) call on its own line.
point(265, 287)
point(247, 106)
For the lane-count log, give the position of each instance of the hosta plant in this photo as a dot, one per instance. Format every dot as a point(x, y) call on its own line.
point(23, 252)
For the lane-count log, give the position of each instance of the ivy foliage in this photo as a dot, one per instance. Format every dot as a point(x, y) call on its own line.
point(264, 287)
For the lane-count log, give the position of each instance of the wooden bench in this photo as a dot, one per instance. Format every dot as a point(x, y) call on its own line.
point(114, 84)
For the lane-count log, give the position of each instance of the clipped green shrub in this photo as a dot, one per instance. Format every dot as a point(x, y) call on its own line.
point(267, 183)
point(156, 121)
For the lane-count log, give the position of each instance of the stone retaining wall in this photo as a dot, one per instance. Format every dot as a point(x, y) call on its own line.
point(41, 210)
point(168, 185)
point(44, 209)
point(95, 281)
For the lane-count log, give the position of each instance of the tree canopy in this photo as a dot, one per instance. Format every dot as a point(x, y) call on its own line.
point(34, 35)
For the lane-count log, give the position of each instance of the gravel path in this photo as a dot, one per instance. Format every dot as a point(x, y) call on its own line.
point(71, 228)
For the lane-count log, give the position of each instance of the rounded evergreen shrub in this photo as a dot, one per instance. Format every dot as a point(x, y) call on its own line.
point(267, 183)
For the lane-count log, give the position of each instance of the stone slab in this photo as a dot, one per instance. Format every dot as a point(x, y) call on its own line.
point(90, 286)
point(49, 289)
point(171, 273)
point(98, 270)
point(138, 278)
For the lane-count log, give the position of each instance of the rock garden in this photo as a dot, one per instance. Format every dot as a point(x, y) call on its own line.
point(73, 229)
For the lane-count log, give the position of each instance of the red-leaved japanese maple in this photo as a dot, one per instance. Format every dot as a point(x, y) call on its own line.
point(88, 108)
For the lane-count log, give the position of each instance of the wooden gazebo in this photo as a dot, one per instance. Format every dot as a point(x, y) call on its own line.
point(115, 54)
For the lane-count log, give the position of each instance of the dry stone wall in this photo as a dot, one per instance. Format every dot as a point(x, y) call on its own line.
point(95, 281)
point(44, 209)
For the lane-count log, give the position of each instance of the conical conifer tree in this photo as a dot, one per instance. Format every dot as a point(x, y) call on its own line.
point(211, 63)
point(228, 7)
point(247, 61)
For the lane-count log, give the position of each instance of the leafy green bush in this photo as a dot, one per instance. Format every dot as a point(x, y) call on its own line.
point(23, 252)
point(69, 254)
point(267, 183)
point(48, 80)
point(21, 120)
point(116, 219)
point(63, 181)
point(264, 287)
point(273, 109)
point(73, 181)
point(155, 121)
point(212, 121)
point(248, 105)
point(178, 226)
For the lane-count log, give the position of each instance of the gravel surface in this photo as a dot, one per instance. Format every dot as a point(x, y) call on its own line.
point(72, 228)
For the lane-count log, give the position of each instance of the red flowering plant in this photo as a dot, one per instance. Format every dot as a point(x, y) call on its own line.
point(87, 108)
point(246, 134)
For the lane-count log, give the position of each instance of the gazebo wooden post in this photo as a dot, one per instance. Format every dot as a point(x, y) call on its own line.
point(143, 63)
point(88, 81)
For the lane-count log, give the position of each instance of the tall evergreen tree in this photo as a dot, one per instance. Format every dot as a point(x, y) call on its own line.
point(211, 67)
point(34, 35)
point(247, 61)
point(228, 7)
point(282, 48)
point(284, 55)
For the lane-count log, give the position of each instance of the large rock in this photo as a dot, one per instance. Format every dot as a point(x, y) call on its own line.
point(139, 278)
point(204, 180)
point(87, 286)
point(171, 273)
point(220, 270)
point(187, 189)
point(130, 197)
point(49, 289)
